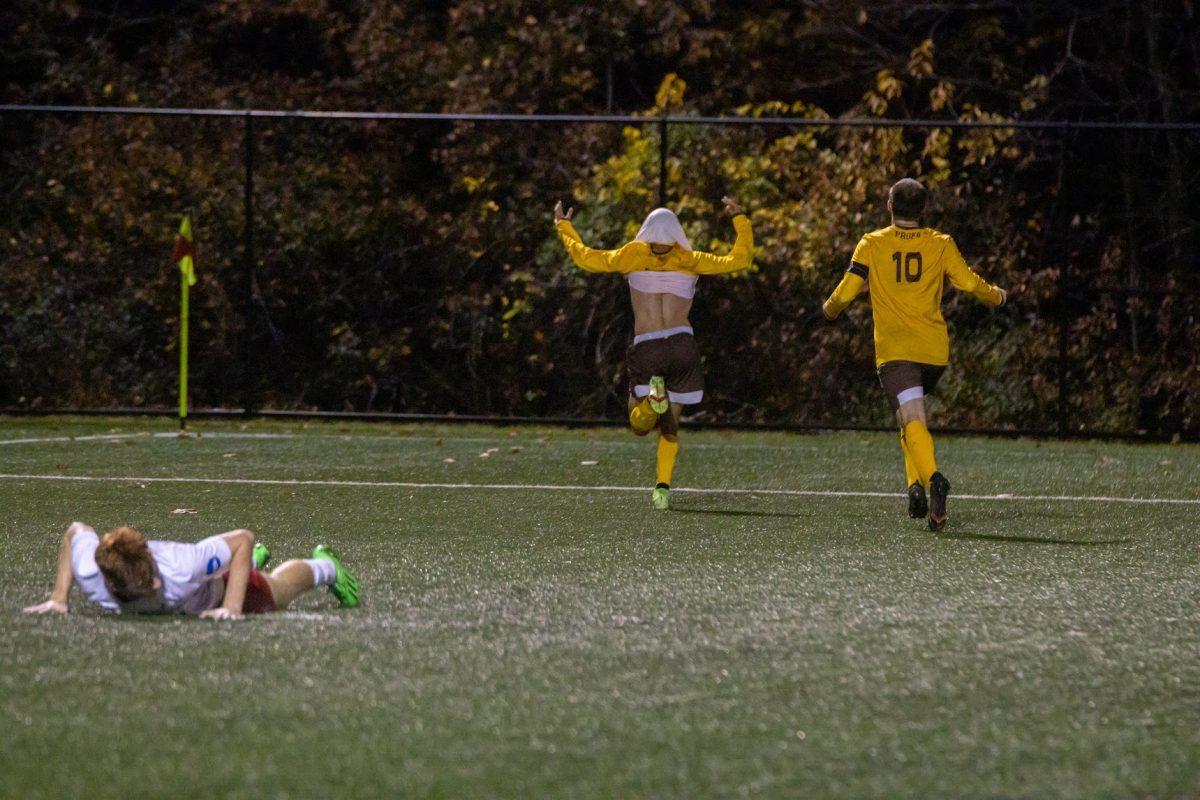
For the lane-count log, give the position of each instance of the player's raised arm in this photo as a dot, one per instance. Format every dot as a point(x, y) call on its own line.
point(586, 258)
point(967, 280)
point(742, 254)
point(64, 577)
point(851, 284)
point(240, 544)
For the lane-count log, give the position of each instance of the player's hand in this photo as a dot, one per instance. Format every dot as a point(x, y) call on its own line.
point(220, 613)
point(48, 607)
point(560, 214)
point(1003, 296)
point(732, 206)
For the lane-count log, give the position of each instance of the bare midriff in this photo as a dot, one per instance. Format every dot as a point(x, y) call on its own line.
point(657, 312)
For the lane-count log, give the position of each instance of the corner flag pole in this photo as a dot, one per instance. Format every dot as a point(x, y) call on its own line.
point(184, 255)
point(183, 351)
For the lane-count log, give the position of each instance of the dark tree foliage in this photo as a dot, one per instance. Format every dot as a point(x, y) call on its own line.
point(413, 267)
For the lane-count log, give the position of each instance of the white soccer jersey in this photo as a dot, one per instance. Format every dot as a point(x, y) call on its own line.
point(190, 573)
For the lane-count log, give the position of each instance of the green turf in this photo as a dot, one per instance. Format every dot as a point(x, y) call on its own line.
point(530, 643)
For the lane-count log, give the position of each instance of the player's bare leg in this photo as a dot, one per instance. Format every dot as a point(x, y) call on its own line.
point(918, 444)
point(668, 450)
point(290, 580)
point(296, 577)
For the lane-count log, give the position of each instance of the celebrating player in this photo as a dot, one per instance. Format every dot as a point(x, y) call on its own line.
point(215, 578)
point(904, 267)
point(663, 361)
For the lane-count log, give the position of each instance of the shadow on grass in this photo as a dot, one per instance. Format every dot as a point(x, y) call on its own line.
point(736, 512)
point(1025, 515)
point(995, 537)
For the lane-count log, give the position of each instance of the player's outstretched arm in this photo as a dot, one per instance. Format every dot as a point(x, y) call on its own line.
point(59, 597)
point(742, 254)
point(241, 545)
point(843, 295)
point(968, 280)
point(852, 283)
point(586, 258)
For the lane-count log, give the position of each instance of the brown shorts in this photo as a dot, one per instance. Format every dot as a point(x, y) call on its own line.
point(675, 357)
point(907, 380)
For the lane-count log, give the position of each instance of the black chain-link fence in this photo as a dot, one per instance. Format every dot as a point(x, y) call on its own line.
point(405, 264)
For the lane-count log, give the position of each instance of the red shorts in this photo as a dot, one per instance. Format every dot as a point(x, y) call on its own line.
point(259, 599)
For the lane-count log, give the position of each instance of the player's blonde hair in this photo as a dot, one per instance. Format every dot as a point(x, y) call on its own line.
point(125, 562)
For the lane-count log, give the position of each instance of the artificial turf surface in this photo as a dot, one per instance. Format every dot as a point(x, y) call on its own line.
point(525, 643)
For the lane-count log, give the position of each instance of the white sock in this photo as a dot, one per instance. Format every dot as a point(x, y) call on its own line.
point(323, 570)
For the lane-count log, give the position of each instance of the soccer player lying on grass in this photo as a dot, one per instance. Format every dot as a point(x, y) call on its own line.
point(904, 266)
point(216, 578)
point(663, 361)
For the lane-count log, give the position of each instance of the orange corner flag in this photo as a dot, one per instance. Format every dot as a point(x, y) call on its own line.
point(184, 253)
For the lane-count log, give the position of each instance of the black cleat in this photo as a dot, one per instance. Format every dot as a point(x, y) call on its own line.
point(918, 505)
point(939, 490)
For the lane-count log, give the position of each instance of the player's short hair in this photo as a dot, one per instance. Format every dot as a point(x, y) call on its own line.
point(125, 562)
point(908, 198)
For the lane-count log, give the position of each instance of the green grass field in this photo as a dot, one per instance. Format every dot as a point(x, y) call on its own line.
point(526, 642)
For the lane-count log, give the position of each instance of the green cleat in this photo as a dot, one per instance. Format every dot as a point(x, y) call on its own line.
point(260, 556)
point(345, 588)
point(660, 401)
point(661, 497)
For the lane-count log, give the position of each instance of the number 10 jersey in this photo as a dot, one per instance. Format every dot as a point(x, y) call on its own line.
point(905, 270)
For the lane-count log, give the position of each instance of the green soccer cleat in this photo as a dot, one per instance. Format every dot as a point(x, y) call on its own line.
point(660, 401)
point(260, 556)
point(345, 588)
point(661, 496)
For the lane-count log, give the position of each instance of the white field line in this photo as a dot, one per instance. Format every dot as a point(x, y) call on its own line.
point(552, 487)
point(117, 437)
point(51, 439)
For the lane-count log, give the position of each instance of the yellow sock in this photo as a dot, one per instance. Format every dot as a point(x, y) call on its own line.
point(919, 445)
point(642, 417)
point(911, 475)
point(667, 451)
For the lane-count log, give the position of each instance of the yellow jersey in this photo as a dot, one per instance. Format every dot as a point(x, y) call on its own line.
point(904, 270)
point(637, 256)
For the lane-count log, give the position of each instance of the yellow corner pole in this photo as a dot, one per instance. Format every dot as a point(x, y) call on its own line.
point(183, 349)
point(184, 256)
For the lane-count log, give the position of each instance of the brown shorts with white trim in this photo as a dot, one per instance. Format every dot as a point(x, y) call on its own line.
point(676, 358)
point(900, 379)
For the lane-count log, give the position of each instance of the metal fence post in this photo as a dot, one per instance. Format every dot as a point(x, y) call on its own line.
point(1066, 313)
point(247, 344)
point(662, 160)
